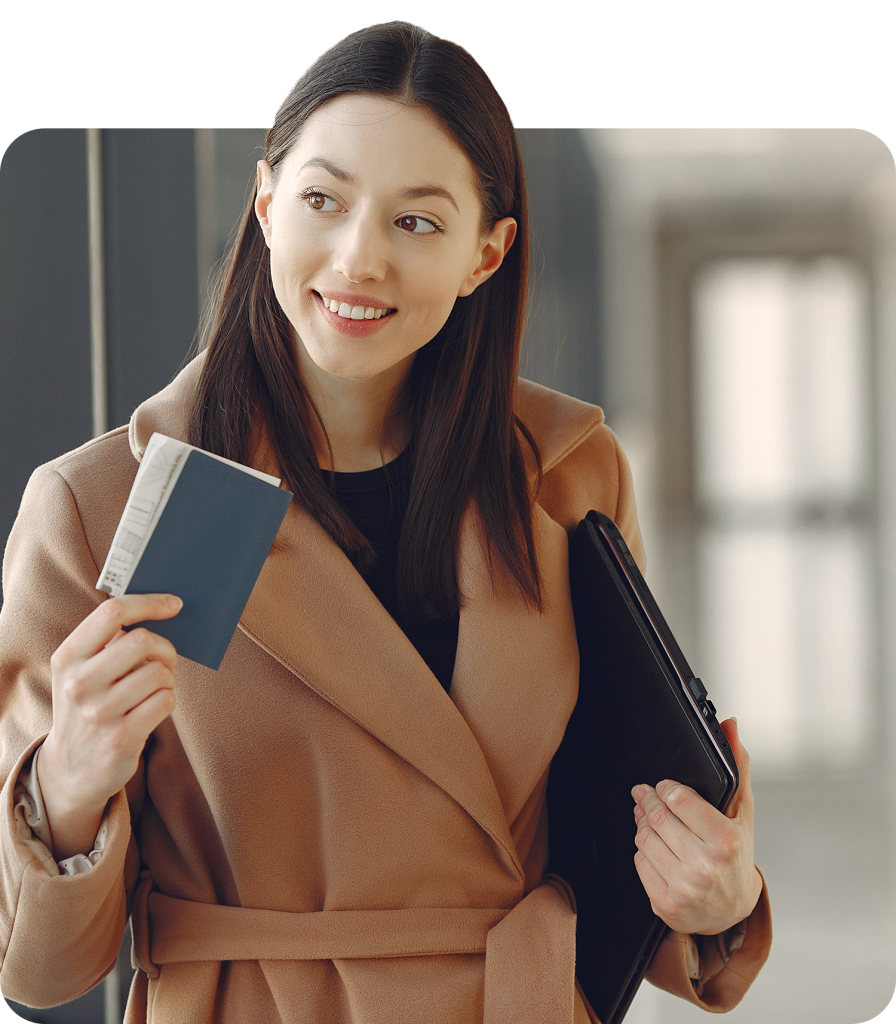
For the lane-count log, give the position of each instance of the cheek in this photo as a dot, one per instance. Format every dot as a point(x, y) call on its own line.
point(291, 268)
point(286, 298)
point(436, 291)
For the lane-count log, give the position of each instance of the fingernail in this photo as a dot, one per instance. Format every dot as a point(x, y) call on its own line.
point(174, 602)
point(661, 787)
point(638, 792)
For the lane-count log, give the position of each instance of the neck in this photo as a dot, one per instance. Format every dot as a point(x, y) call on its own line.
point(357, 415)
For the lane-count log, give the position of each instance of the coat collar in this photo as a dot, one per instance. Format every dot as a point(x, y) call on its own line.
point(515, 681)
point(558, 423)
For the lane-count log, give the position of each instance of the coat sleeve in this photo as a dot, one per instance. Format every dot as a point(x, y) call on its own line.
point(59, 934)
point(722, 977)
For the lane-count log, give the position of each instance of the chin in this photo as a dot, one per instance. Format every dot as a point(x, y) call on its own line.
point(340, 364)
point(348, 369)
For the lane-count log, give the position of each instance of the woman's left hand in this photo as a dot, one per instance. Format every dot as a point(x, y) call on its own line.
point(695, 862)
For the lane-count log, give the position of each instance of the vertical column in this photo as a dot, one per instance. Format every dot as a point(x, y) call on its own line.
point(99, 396)
point(97, 262)
point(206, 223)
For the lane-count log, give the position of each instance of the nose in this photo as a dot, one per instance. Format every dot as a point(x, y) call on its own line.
point(361, 250)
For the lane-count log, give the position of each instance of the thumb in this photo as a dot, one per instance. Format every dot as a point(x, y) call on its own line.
point(743, 798)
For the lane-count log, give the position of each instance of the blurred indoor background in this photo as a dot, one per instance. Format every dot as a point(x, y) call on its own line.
point(729, 298)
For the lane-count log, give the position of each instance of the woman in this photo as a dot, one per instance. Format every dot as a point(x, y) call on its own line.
point(347, 821)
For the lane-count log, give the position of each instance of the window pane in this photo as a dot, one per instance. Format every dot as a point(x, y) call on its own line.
point(742, 394)
point(781, 483)
point(780, 381)
point(788, 630)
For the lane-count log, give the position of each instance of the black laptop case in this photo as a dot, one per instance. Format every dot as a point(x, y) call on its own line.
point(640, 717)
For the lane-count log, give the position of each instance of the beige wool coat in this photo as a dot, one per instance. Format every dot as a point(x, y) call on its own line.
point(319, 833)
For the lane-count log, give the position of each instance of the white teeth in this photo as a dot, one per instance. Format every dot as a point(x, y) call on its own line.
point(348, 312)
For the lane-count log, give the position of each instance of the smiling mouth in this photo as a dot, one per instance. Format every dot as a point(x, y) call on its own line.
point(348, 312)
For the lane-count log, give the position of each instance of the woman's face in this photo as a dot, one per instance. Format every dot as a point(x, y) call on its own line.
point(374, 231)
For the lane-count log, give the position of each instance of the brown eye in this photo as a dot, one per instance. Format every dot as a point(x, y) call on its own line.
point(416, 225)
point(320, 202)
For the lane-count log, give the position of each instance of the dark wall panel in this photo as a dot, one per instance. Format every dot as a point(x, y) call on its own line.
point(151, 292)
point(562, 345)
point(45, 403)
point(151, 288)
point(44, 307)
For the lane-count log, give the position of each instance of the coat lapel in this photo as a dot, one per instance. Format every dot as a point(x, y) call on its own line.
point(313, 612)
point(517, 671)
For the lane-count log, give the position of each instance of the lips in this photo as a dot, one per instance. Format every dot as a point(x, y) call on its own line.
point(355, 315)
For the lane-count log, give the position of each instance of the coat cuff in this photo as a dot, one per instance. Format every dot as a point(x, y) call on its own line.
point(33, 829)
point(728, 964)
point(63, 933)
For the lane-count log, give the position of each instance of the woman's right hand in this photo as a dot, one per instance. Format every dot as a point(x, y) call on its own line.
point(111, 688)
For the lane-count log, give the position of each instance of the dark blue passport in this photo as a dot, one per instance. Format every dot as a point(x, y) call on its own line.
point(208, 548)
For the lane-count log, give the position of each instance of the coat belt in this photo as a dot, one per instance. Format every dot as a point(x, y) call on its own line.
point(529, 950)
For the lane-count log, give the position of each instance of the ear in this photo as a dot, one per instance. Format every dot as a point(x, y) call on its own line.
point(491, 255)
point(264, 193)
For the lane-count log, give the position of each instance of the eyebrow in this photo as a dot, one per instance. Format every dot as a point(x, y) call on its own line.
point(417, 192)
point(424, 191)
point(327, 165)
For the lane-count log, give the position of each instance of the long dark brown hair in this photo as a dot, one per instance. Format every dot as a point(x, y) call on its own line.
point(458, 403)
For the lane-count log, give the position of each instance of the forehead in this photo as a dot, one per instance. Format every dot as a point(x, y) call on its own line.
point(381, 141)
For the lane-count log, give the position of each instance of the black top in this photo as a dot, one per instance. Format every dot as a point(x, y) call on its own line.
point(377, 500)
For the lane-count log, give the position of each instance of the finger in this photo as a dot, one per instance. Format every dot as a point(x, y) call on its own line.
point(132, 730)
point(654, 884)
point(741, 757)
point(136, 687)
point(149, 714)
point(661, 835)
point(118, 636)
point(116, 660)
point(106, 620)
point(743, 798)
point(705, 822)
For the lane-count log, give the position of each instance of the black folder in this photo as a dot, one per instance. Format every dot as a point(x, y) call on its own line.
point(641, 717)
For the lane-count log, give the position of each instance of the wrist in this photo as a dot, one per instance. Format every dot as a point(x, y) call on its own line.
point(752, 892)
point(59, 787)
point(71, 820)
point(741, 910)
